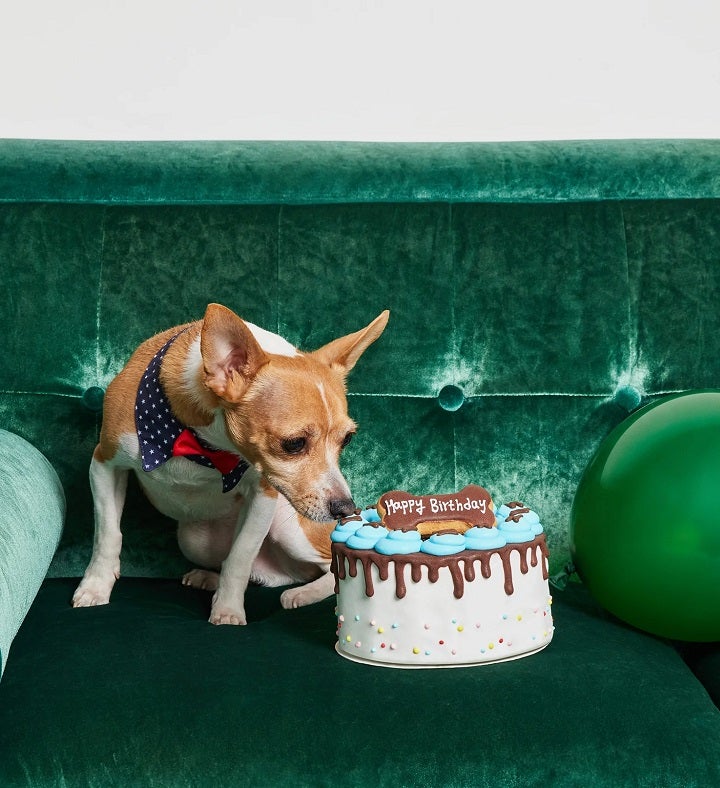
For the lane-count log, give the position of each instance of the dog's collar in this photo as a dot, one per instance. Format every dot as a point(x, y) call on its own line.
point(162, 436)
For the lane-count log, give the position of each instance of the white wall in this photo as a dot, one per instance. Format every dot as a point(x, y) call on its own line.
point(345, 69)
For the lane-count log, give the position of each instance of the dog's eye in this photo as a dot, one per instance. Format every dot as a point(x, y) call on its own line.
point(347, 439)
point(294, 445)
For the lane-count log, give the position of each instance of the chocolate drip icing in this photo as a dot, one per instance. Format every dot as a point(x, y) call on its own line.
point(367, 570)
point(400, 588)
point(345, 560)
point(505, 556)
point(534, 559)
point(458, 580)
point(518, 509)
point(353, 518)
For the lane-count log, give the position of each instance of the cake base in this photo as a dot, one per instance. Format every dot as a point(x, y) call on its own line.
point(377, 664)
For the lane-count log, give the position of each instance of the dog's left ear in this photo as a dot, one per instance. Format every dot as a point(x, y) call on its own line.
point(344, 352)
point(231, 354)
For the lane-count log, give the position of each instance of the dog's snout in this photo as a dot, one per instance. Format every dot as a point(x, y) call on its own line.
point(341, 507)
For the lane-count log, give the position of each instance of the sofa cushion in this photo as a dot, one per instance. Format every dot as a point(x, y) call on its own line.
point(32, 509)
point(145, 692)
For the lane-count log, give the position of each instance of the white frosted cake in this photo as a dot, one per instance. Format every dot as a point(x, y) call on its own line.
point(441, 581)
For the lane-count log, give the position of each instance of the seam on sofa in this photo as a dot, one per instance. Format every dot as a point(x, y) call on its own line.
point(25, 393)
point(633, 315)
point(489, 394)
point(453, 323)
point(99, 292)
point(483, 395)
point(278, 258)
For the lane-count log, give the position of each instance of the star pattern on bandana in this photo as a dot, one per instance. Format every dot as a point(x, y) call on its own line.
point(158, 429)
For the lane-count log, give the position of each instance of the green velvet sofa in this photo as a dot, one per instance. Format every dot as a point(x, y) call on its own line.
point(538, 292)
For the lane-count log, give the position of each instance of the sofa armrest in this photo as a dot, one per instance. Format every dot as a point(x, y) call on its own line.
point(32, 511)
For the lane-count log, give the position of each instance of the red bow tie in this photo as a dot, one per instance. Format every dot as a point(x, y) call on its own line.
point(187, 445)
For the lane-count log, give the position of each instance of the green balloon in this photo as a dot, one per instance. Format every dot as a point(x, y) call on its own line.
point(645, 522)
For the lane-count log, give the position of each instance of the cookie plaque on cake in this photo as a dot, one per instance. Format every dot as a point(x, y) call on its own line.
point(441, 581)
point(472, 506)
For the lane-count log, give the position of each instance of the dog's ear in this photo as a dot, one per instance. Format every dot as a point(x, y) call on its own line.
point(231, 354)
point(343, 353)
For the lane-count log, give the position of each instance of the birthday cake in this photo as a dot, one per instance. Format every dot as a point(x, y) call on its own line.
point(441, 581)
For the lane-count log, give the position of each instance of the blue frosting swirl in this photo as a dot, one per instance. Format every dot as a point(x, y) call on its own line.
point(444, 544)
point(344, 530)
point(502, 512)
point(366, 537)
point(348, 527)
point(399, 543)
point(370, 515)
point(516, 532)
point(518, 520)
point(484, 539)
point(533, 521)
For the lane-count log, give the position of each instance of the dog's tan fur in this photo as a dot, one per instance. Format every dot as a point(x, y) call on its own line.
point(249, 392)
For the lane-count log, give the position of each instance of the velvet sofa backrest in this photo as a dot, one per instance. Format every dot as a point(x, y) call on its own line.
point(537, 291)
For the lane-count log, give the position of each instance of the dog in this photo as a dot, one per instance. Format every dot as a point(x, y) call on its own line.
point(237, 435)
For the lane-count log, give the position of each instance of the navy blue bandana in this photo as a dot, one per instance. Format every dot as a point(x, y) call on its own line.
point(162, 436)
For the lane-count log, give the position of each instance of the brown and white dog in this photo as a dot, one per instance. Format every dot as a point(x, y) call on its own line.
point(221, 394)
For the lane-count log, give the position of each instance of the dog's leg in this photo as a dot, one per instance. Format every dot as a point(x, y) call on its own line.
point(228, 606)
point(108, 487)
point(309, 593)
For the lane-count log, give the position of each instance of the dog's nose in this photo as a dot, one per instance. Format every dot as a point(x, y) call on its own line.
point(341, 507)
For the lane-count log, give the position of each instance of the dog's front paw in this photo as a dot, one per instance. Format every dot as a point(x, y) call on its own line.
point(224, 614)
point(97, 584)
point(91, 593)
